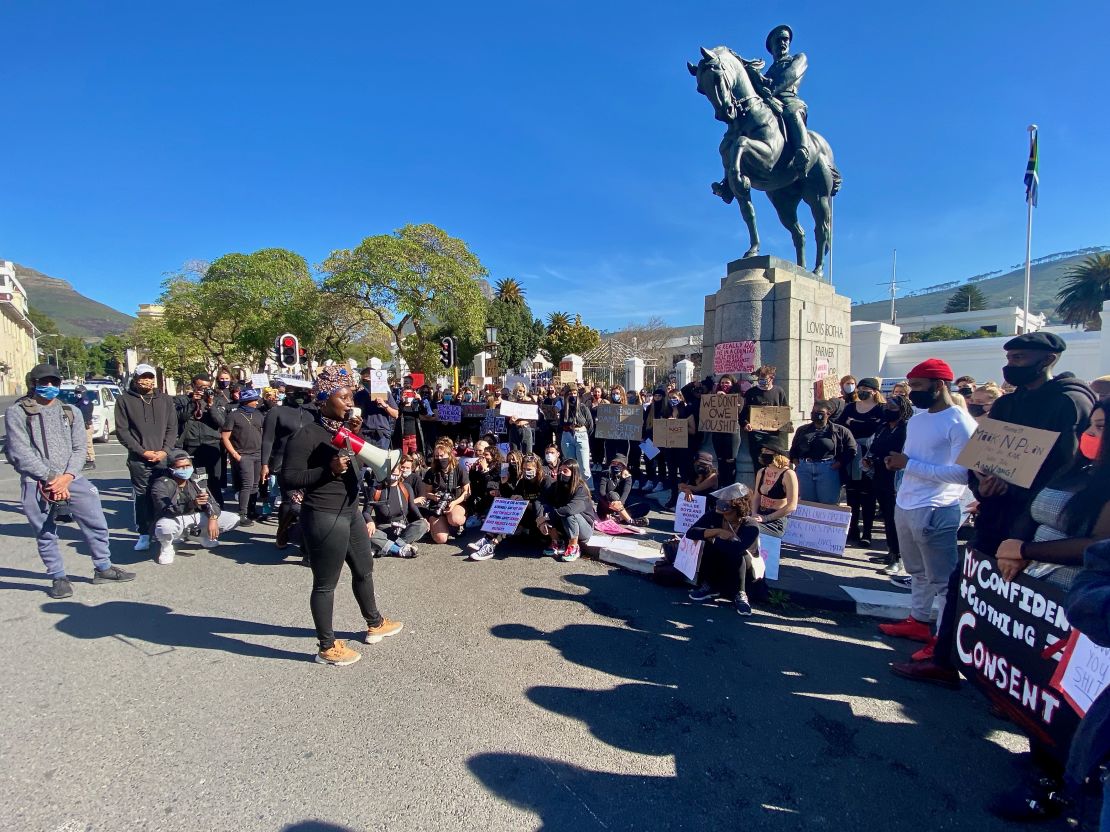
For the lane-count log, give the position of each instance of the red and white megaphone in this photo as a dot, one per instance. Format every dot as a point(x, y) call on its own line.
point(378, 461)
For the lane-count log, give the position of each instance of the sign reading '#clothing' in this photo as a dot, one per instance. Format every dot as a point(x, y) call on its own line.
point(671, 433)
point(734, 357)
point(504, 516)
point(1014, 453)
point(819, 527)
point(719, 413)
point(1008, 639)
point(619, 421)
point(449, 413)
point(769, 418)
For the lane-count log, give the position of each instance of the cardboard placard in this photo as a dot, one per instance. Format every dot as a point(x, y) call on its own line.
point(474, 410)
point(379, 385)
point(1083, 672)
point(1008, 639)
point(520, 410)
point(649, 449)
point(619, 421)
point(819, 527)
point(827, 388)
point(688, 559)
point(734, 357)
point(504, 516)
point(1014, 453)
point(770, 552)
point(450, 414)
point(687, 512)
point(769, 418)
point(720, 413)
point(493, 422)
point(670, 433)
point(568, 377)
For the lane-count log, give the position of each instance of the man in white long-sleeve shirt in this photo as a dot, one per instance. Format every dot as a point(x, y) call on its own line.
point(927, 509)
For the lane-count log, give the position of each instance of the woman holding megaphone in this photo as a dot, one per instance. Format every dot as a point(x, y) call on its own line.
point(321, 460)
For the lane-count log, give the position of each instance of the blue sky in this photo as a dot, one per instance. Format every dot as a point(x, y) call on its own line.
point(566, 142)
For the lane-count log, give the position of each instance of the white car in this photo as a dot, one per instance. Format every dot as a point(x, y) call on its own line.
point(104, 406)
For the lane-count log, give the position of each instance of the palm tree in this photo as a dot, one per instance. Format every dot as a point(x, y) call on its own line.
point(509, 291)
point(1086, 287)
point(558, 321)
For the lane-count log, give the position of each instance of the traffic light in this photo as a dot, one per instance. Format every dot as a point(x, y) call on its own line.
point(447, 352)
point(288, 350)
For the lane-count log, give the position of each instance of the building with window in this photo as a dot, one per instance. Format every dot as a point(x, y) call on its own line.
point(18, 344)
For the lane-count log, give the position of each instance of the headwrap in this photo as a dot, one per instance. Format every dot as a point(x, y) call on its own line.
point(332, 378)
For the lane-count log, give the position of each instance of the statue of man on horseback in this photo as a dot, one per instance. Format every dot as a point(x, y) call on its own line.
point(767, 144)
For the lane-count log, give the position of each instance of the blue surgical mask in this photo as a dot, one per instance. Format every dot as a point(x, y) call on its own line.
point(447, 399)
point(764, 383)
point(616, 397)
point(47, 391)
point(182, 473)
point(675, 402)
point(281, 397)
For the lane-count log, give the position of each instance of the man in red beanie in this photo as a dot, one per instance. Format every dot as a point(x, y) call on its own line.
point(927, 510)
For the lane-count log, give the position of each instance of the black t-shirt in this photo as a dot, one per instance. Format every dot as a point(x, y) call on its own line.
point(814, 443)
point(412, 408)
point(862, 425)
point(447, 482)
point(246, 430)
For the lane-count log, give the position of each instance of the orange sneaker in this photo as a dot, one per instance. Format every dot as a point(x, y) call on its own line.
point(339, 655)
point(386, 628)
point(926, 652)
point(911, 628)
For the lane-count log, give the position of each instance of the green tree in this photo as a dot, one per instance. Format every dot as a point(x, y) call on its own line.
point(418, 281)
point(519, 335)
point(107, 356)
point(509, 290)
point(1086, 287)
point(69, 353)
point(566, 337)
point(945, 333)
point(966, 299)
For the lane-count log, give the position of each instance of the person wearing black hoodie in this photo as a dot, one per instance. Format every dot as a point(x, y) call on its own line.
point(146, 424)
point(200, 415)
point(280, 425)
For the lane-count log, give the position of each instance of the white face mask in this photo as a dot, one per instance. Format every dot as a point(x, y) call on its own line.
point(550, 458)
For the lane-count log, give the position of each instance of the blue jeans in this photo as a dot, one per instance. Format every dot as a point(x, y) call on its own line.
point(927, 538)
point(84, 503)
point(576, 445)
point(574, 526)
point(818, 482)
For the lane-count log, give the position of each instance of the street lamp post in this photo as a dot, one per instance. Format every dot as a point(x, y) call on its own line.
point(491, 348)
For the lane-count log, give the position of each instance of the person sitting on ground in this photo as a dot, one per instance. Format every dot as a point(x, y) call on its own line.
point(392, 518)
point(180, 504)
point(529, 486)
point(551, 458)
point(448, 487)
point(728, 535)
point(705, 477)
point(485, 484)
point(613, 490)
point(776, 485)
point(568, 513)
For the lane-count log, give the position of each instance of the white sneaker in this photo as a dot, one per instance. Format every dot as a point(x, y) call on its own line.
point(484, 552)
point(143, 543)
point(648, 487)
point(476, 545)
point(209, 543)
point(165, 554)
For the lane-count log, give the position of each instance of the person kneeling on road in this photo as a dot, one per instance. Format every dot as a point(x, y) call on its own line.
point(393, 520)
point(568, 513)
point(46, 445)
point(448, 485)
point(181, 504)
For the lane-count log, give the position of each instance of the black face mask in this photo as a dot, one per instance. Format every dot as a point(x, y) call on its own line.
point(976, 410)
point(891, 413)
point(924, 399)
point(564, 477)
point(966, 391)
point(766, 460)
point(864, 395)
point(1020, 376)
point(818, 418)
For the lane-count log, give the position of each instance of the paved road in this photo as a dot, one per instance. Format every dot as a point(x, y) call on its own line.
point(523, 694)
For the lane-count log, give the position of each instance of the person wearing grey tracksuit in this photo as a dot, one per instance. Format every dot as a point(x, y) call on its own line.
point(46, 445)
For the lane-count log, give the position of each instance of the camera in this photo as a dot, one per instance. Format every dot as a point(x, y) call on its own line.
point(193, 530)
point(442, 506)
point(60, 512)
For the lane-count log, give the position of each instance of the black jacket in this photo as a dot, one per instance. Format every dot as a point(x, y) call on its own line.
point(171, 500)
point(758, 397)
point(281, 423)
point(844, 445)
point(384, 503)
point(199, 422)
point(609, 489)
point(1063, 405)
point(146, 423)
point(307, 466)
point(563, 504)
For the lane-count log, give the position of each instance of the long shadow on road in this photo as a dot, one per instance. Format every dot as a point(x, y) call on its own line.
point(768, 727)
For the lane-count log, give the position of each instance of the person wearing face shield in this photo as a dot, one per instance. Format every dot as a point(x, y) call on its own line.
point(45, 444)
point(146, 424)
point(180, 503)
point(729, 533)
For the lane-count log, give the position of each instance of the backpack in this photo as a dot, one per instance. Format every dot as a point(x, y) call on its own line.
point(67, 412)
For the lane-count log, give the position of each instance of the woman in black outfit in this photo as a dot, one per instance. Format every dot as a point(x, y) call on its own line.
point(334, 531)
point(890, 438)
point(863, 417)
point(726, 558)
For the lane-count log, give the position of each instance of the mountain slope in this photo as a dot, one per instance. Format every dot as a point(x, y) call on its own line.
point(74, 313)
point(1006, 289)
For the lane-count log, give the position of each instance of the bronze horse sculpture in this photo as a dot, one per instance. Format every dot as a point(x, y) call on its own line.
point(753, 153)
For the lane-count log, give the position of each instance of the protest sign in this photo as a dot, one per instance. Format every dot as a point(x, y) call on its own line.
point(520, 410)
point(734, 357)
point(1083, 672)
point(449, 413)
point(670, 433)
point(826, 388)
point(821, 369)
point(1014, 453)
point(770, 552)
point(504, 516)
point(819, 527)
point(687, 513)
point(720, 413)
point(474, 410)
point(688, 558)
point(260, 380)
point(513, 379)
point(568, 377)
point(619, 421)
point(379, 385)
point(649, 449)
point(769, 418)
point(493, 423)
point(504, 447)
point(1005, 635)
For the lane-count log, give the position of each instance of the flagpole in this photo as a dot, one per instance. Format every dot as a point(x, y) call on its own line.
point(1028, 242)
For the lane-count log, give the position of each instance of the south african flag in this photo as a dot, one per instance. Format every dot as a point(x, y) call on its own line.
point(1032, 180)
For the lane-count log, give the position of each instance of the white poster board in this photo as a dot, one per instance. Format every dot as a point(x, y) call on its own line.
point(770, 552)
point(379, 385)
point(504, 516)
point(687, 513)
point(819, 527)
point(520, 410)
point(259, 380)
point(688, 558)
point(1084, 673)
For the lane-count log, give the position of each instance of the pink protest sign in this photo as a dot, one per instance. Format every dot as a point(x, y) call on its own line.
point(734, 357)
